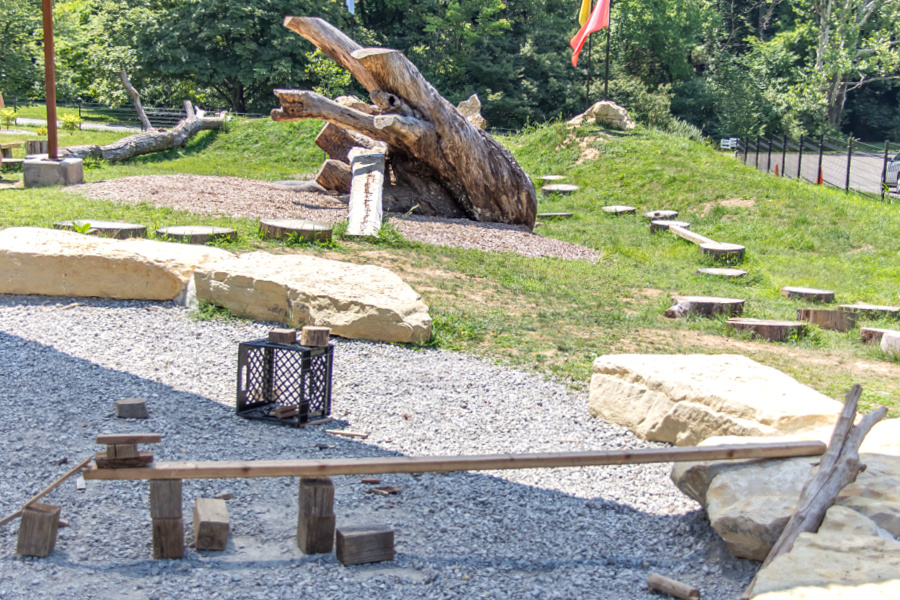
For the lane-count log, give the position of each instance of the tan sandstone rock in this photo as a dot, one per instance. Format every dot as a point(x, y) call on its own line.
point(54, 262)
point(471, 110)
point(355, 301)
point(684, 399)
point(606, 113)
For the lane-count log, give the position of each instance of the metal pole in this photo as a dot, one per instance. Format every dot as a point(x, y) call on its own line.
point(606, 79)
point(821, 147)
point(887, 144)
point(50, 79)
point(768, 155)
point(800, 159)
point(784, 155)
point(587, 91)
point(756, 163)
point(849, 156)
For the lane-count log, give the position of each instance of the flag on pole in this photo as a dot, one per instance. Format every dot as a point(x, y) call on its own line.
point(598, 20)
point(585, 12)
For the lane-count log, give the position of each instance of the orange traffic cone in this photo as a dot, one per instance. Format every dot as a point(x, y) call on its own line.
point(819, 181)
point(776, 170)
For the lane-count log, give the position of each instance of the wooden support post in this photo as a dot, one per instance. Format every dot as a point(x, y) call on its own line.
point(168, 523)
point(37, 531)
point(316, 520)
point(211, 524)
point(365, 544)
point(315, 336)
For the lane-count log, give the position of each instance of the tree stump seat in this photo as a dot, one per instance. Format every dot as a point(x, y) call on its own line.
point(119, 231)
point(618, 210)
point(563, 189)
point(196, 234)
point(808, 294)
point(774, 331)
point(280, 229)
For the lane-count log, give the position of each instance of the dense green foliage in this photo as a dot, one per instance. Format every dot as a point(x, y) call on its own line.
point(741, 68)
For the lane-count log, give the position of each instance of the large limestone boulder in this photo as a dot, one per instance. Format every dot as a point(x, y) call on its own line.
point(54, 262)
point(355, 301)
point(684, 399)
point(606, 113)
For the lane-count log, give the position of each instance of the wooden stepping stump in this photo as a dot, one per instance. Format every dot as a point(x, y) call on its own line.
point(119, 231)
point(211, 524)
point(722, 272)
point(550, 178)
point(834, 320)
point(280, 229)
point(660, 225)
point(197, 234)
point(559, 188)
point(705, 306)
point(12, 164)
point(168, 522)
point(364, 544)
point(661, 215)
point(132, 408)
point(723, 251)
point(774, 331)
point(808, 294)
point(316, 521)
point(873, 335)
point(38, 529)
point(559, 215)
point(871, 311)
point(619, 210)
point(890, 342)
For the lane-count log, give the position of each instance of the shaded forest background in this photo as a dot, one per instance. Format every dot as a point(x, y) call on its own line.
point(730, 68)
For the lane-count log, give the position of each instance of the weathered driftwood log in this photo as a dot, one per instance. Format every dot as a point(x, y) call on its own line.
point(435, 157)
point(148, 142)
point(145, 122)
point(838, 468)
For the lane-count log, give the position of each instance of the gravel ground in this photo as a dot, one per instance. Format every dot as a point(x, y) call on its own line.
point(553, 533)
point(261, 199)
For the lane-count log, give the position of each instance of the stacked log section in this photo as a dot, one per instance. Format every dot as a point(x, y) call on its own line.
point(773, 331)
point(834, 320)
point(337, 142)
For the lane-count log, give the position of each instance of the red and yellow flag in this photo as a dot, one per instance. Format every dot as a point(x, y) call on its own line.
point(598, 20)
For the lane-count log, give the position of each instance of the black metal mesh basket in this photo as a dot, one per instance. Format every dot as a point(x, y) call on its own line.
point(272, 376)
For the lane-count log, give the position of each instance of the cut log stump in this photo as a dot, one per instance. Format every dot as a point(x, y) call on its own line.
point(723, 251)
point(119, 231)
point(774, 331)
point(618, 210)
point(197, 234)
point(871, 311)
point(132, 408)
point(722, 272)
point(37, 531)
point(280, 229)
point(211, 524)
point(563, 189)
point(550, 178)
point(890, 343)
point(316, 520)
point(334, 175)
point(364, 544)
point(661, 225)
point(556, 215)
point(834, 320)
point(872, 335)
point(661, 215)
point(808, 294)
point(704, 306)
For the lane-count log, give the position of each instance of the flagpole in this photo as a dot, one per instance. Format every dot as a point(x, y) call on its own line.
point(606, 79)
point(587, 93)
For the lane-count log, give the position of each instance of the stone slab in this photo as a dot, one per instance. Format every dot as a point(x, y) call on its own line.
point(38, 172)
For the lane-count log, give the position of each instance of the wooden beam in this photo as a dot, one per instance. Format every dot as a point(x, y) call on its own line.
point(446, 464)
point(113, 439)
point(689, 235)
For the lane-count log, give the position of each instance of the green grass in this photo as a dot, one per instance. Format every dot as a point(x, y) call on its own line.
point(556, 316)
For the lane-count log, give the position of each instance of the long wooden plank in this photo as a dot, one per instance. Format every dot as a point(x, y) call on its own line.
point(111, 439)
point(445, 464)
point(689, 235)
point(47, 490)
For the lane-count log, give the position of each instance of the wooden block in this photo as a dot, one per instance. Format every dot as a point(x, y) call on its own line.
point(168, 538)
point(143, 459)
point(364, 544)
point(316, 520)
point(834, 320)
point(165, 499)
point(689, 235)
point(129, 438)
point(315, 337)
point(809, 294)
point(873, 335)
point(286, 412)
point(122, 451)
point(132, 408)
point(282, 336)
point(211, 524)
point(37, 531)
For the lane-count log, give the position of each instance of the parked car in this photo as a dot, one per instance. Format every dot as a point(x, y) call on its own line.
point(891, 175)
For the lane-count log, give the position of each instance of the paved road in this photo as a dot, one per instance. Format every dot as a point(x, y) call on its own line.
point(86, 125)
point(865, 169)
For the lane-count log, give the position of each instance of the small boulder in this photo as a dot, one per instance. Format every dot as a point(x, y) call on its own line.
point(605, 113)
point(471, 110)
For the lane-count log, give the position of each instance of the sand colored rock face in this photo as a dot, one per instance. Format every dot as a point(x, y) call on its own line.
point(606, 113)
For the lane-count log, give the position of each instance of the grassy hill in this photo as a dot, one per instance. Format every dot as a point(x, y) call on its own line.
point(556, 316)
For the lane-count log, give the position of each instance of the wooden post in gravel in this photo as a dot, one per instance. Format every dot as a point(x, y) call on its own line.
point(316, 520)
point(168, 522)
point(37, 531)
point(838, 468)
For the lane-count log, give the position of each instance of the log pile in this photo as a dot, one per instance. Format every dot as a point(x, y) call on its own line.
point(434, 156)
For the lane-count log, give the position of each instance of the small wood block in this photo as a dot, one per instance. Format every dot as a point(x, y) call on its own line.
point(774, 331)
point(660, 225)
point(286, 412)
point(661, 215)
point(280, 229)
point(37, 531)
point(211, 524)
point(721, 272)
point(834, 320)
point(132, 408)
point(129, 438)
point(808, 294)
point(618, 210)
point(723, 251)
point(705, 306)
point(165, 499)
point(558, 215)
point(119, 231)
point(197, 234)
point(316, 520)
point(143, 459)
point(122, 451)
point(658, 583)
point(871, 311)
point(872, 335)
point(315, 337)
point(282, 336)
point(364, 544)
point(564, 189)
point(168, 538)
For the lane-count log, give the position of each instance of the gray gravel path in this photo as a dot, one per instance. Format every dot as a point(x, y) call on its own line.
point(555, 533)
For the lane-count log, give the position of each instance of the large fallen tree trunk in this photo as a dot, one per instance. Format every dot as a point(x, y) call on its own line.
point(148, 142)
point(435, 157)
